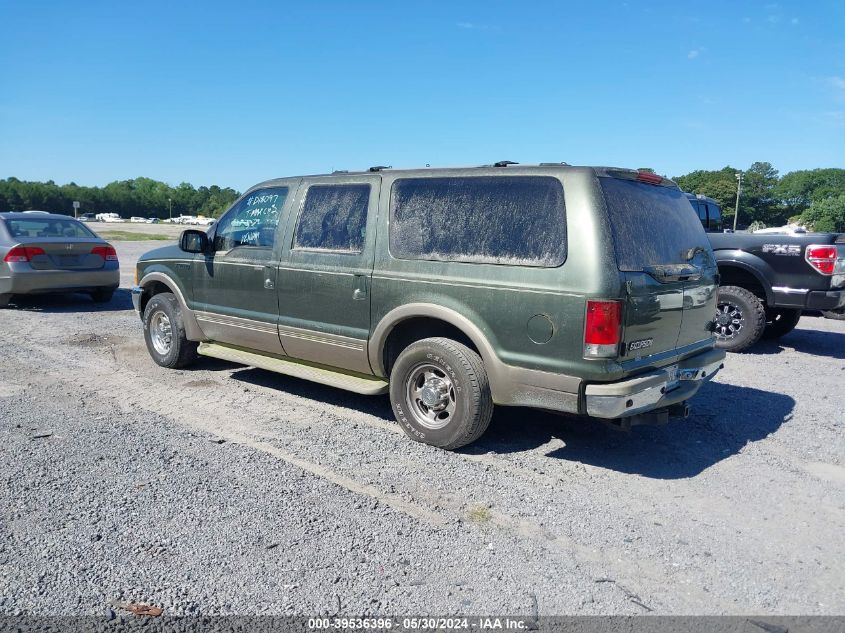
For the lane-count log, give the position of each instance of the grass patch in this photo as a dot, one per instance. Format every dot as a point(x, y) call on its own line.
point(479, 514)
point(129, 236)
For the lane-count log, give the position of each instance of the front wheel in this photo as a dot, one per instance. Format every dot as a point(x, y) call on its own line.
point(780, 322)
point(440, 393)
point(740, 319)
point(164, 333)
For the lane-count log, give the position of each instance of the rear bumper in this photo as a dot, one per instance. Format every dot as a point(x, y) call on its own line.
point(43, 281)
point(808, 299)
point(651, 391)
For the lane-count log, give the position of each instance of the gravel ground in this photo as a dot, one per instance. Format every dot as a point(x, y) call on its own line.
point(228, 490)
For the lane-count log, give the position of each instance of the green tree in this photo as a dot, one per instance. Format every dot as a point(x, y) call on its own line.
point(826, 215)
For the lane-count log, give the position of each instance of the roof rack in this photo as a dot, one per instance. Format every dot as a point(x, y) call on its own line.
point(380, 167)
point(550, 164)
point(505, 163)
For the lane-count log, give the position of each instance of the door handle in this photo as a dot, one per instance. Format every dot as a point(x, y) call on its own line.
point(269, 277)
point(360, 291)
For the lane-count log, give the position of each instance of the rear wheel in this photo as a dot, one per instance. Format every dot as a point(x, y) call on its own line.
point(102, 295)
point(780, 322)
point(440, 393)
point(740, 319)
point(839, 314)
point(164, 333)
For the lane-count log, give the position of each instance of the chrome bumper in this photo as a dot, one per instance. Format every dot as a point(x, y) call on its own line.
point(653, 390)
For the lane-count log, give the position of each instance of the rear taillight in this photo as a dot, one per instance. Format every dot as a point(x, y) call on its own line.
point(106, 252)
point(602, 329)
point(22, 253)
point(650, 178)
point(822, 258)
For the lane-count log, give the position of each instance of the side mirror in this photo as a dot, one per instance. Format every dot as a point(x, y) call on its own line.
point(193, 241)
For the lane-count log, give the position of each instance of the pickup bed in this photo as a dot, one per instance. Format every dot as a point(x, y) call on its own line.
point(767, 280)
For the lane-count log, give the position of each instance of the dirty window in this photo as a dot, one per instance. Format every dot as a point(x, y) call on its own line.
point(517, 220)
point(253, 221)
point(333, 218)
point(651, 225)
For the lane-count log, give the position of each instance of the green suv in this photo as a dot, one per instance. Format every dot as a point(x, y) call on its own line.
point(582, 290)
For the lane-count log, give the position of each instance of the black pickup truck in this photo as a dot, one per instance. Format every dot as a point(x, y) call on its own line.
point(768, 279)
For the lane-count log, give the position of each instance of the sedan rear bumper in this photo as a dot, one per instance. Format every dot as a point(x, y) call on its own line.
point(654, 390)
point(22, 282)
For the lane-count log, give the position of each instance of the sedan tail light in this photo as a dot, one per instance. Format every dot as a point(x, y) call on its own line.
point(822, 258)
point(22, 253)
point(106, 252)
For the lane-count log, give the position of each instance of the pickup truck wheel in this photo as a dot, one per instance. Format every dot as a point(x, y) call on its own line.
point(164, 332)
point(780, 322)
point(440, 393)
point(740, 319)
point(834, 314)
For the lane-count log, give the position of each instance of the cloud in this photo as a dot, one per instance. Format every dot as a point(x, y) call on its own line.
point(473, 26)
point(794, 21)
point(694, 53)
point(836, 82)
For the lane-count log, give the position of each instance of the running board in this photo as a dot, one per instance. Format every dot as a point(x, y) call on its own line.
point(351, 381)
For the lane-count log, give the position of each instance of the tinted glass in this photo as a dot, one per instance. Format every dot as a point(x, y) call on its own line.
point(333, 218)
point(47, 227)
point(253, 221)
point(651, 225)
point(517, 220)
point(715, 215)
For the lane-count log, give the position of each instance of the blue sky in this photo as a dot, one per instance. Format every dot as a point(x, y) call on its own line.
point(232, 93)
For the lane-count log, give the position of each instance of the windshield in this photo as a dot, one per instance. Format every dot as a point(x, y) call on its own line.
point(47, 227)
point(652, 226)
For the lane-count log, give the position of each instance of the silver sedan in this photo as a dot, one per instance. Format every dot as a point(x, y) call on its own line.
point(47, 253)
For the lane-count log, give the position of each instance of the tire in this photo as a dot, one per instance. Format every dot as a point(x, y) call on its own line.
point(740, 319)
point(448, 372)
point(164, 333)
point(780, 322)
point(103, 295)
point(839, 314)
point(4, 300)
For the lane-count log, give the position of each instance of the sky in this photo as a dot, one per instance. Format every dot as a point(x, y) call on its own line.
point(233, 93)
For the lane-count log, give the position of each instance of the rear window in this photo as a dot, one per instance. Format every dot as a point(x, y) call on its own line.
point(651, 225)
point(518, 220)
point(47, 227)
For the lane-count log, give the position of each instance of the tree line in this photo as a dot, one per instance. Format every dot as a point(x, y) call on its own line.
point(814, 198)
point(143, 197)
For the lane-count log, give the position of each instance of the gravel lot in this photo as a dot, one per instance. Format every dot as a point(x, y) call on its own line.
point(228, 490)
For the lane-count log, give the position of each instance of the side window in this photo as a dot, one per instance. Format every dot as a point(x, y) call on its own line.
point(333, 218)
point(702, 212)
point(253, 221)
point(715, 215)
point(518, 220)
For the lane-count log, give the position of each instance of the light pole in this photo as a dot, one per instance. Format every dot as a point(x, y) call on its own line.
point(170, 206)
point(738, 190)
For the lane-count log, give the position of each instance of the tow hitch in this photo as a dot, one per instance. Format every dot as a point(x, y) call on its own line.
point(651, 418)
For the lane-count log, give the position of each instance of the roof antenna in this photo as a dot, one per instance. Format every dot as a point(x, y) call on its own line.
point(505, 163)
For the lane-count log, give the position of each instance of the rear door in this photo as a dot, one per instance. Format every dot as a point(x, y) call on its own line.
point(324, 278)
point(668, 265)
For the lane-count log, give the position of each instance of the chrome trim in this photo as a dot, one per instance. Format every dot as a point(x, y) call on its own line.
point(322, 338)
point(790, 291)
point(239, 322)
point(652, 390)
